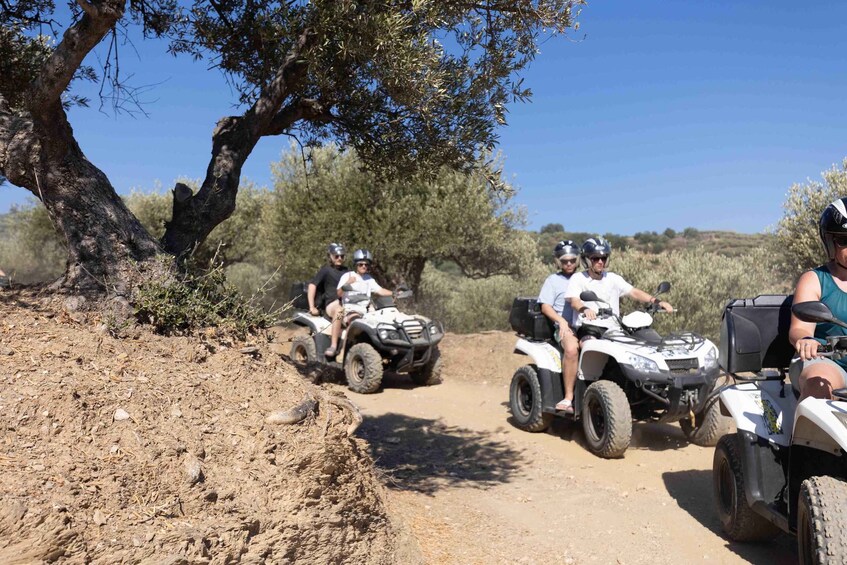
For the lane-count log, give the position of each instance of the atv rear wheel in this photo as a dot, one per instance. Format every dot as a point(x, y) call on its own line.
point(526, 402)
point(709, 426)
point(429, 374)
point(821, 521)
point(303, 351)
point(363, 368)
point(606, 419)
point(738, 520)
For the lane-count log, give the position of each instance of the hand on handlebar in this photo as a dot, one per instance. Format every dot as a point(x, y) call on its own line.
point(589, 314)
point(807, 348)
point(314, 311)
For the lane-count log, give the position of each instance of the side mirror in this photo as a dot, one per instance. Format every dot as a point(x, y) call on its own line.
point(664, 286)
point(588, 296)
point(815, 312)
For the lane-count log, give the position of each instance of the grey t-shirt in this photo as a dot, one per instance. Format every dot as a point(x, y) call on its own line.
point(553, 293)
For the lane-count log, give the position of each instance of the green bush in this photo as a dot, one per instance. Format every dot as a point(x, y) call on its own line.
point(30, 248)
point(189, 302)
point(797, 236)
point(701, 283)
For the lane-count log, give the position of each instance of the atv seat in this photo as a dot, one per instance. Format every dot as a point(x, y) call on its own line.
point(754, 336)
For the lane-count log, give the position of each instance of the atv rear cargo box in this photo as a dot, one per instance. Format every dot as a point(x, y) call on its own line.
point(527, 320)
point(754, 334)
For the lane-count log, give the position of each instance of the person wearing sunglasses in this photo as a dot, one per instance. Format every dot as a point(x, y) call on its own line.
point(324, 283)
point(354, 289)
point(559, 311)
point(812, 375)
point(608, 286)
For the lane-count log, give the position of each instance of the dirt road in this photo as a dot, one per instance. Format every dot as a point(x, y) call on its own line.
point(475, 489)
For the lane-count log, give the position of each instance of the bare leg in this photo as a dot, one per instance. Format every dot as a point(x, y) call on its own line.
point(569, 366)
point(332, 309)
point(819, 380)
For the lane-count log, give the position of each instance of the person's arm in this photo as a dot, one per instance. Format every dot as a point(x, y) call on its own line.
point(572, 295)
point(564, 325)
point(802, 334)
point(641, 296)
point(344, 281)
point(311, 290)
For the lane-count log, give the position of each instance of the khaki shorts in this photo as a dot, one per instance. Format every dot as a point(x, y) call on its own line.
point(798, 366)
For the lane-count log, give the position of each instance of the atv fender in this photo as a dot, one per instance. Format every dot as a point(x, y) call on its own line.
point(762, 409)
point(316, 324)
point(822, 425)
point(545, 355)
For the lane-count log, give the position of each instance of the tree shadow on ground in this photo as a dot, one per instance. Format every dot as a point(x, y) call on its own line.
point(26, 298)
point(692, 491)
point(423, 455)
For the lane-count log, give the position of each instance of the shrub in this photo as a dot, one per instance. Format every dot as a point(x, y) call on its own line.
point(189, 302)
point(30, 248)
point(701, 283)
point(797, 231)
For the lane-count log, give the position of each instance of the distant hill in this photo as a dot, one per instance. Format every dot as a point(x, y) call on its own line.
point(728, 243)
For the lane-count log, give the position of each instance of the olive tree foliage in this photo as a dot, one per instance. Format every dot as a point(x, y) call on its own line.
point(411, 86)
point(452, 216)
point(702, 283)
point(799, 244)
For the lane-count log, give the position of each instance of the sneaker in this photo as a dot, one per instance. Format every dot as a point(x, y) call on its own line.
point(330, 352)
point(565, 406)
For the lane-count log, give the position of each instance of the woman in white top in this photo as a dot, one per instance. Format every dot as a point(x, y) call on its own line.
point(354, 290)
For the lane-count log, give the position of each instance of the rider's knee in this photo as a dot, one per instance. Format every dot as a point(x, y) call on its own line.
point(817, 387)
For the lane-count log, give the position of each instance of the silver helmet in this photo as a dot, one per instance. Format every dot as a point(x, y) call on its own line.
point(595, 247)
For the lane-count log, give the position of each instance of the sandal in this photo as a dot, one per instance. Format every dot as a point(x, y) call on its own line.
point(565, 405)
point(330, 352)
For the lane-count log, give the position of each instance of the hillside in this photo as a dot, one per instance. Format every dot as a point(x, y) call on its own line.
point(147, 449)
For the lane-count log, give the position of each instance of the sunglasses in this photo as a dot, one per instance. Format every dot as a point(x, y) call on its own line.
point(361, 264)
point(840, 240)
point(338, 256)
point(567, 261)
point(604, 258)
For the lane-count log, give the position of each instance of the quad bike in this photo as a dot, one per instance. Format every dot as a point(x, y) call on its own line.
point(383, 339)
point(785, 468)
point(630, 372)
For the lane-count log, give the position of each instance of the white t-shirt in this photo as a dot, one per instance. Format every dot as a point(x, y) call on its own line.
point(609, 289)
point(365, 285)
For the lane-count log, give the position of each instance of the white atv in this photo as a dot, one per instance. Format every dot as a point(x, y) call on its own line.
point(384, 338)
point(785, 468)
point(630, 372)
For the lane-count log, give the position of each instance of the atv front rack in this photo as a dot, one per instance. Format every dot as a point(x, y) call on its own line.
point(687, 340)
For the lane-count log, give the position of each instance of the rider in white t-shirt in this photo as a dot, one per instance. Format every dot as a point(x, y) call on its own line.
point(354, 290)
point(609, 287)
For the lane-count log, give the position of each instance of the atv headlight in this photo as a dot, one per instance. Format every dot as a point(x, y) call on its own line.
point(711, 359)
point(389, 334)
point(642, 364)
point(434, 329)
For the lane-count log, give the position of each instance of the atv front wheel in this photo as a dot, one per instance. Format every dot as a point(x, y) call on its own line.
point(525, 401)
point(709, 426)
point(821, 521)
point(606, 419)
point(429, 374)
point(363, 368)
point(738, 520)
point(303, 351)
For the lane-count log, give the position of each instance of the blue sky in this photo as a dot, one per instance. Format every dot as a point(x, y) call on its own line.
point(653, 115)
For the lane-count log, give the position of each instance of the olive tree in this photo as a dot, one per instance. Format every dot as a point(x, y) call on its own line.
point(410, 85)
point(799, 245)
point(452, 216)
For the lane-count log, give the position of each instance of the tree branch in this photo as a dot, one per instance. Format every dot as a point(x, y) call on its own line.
point(304, 109)
point(79, 39)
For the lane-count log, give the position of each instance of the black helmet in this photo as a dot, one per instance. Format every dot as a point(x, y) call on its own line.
point(833, 222)
point(594, 247)
point(362, 255)
point(565, 247)
point(335, 249)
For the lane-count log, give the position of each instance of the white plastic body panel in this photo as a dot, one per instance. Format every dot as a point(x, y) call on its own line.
point(765, 408)
point(817, 425)
point(545, 355)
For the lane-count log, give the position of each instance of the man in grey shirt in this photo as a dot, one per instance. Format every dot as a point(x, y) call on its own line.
point(559, 311)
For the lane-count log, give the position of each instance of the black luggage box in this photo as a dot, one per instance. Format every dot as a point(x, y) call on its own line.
point(754, 334)
point(298, 296)
point(527, 320)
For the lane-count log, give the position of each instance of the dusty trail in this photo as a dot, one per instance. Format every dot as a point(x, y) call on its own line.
point(475, 489)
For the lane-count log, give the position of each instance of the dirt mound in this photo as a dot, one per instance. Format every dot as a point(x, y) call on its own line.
point(159, 450)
